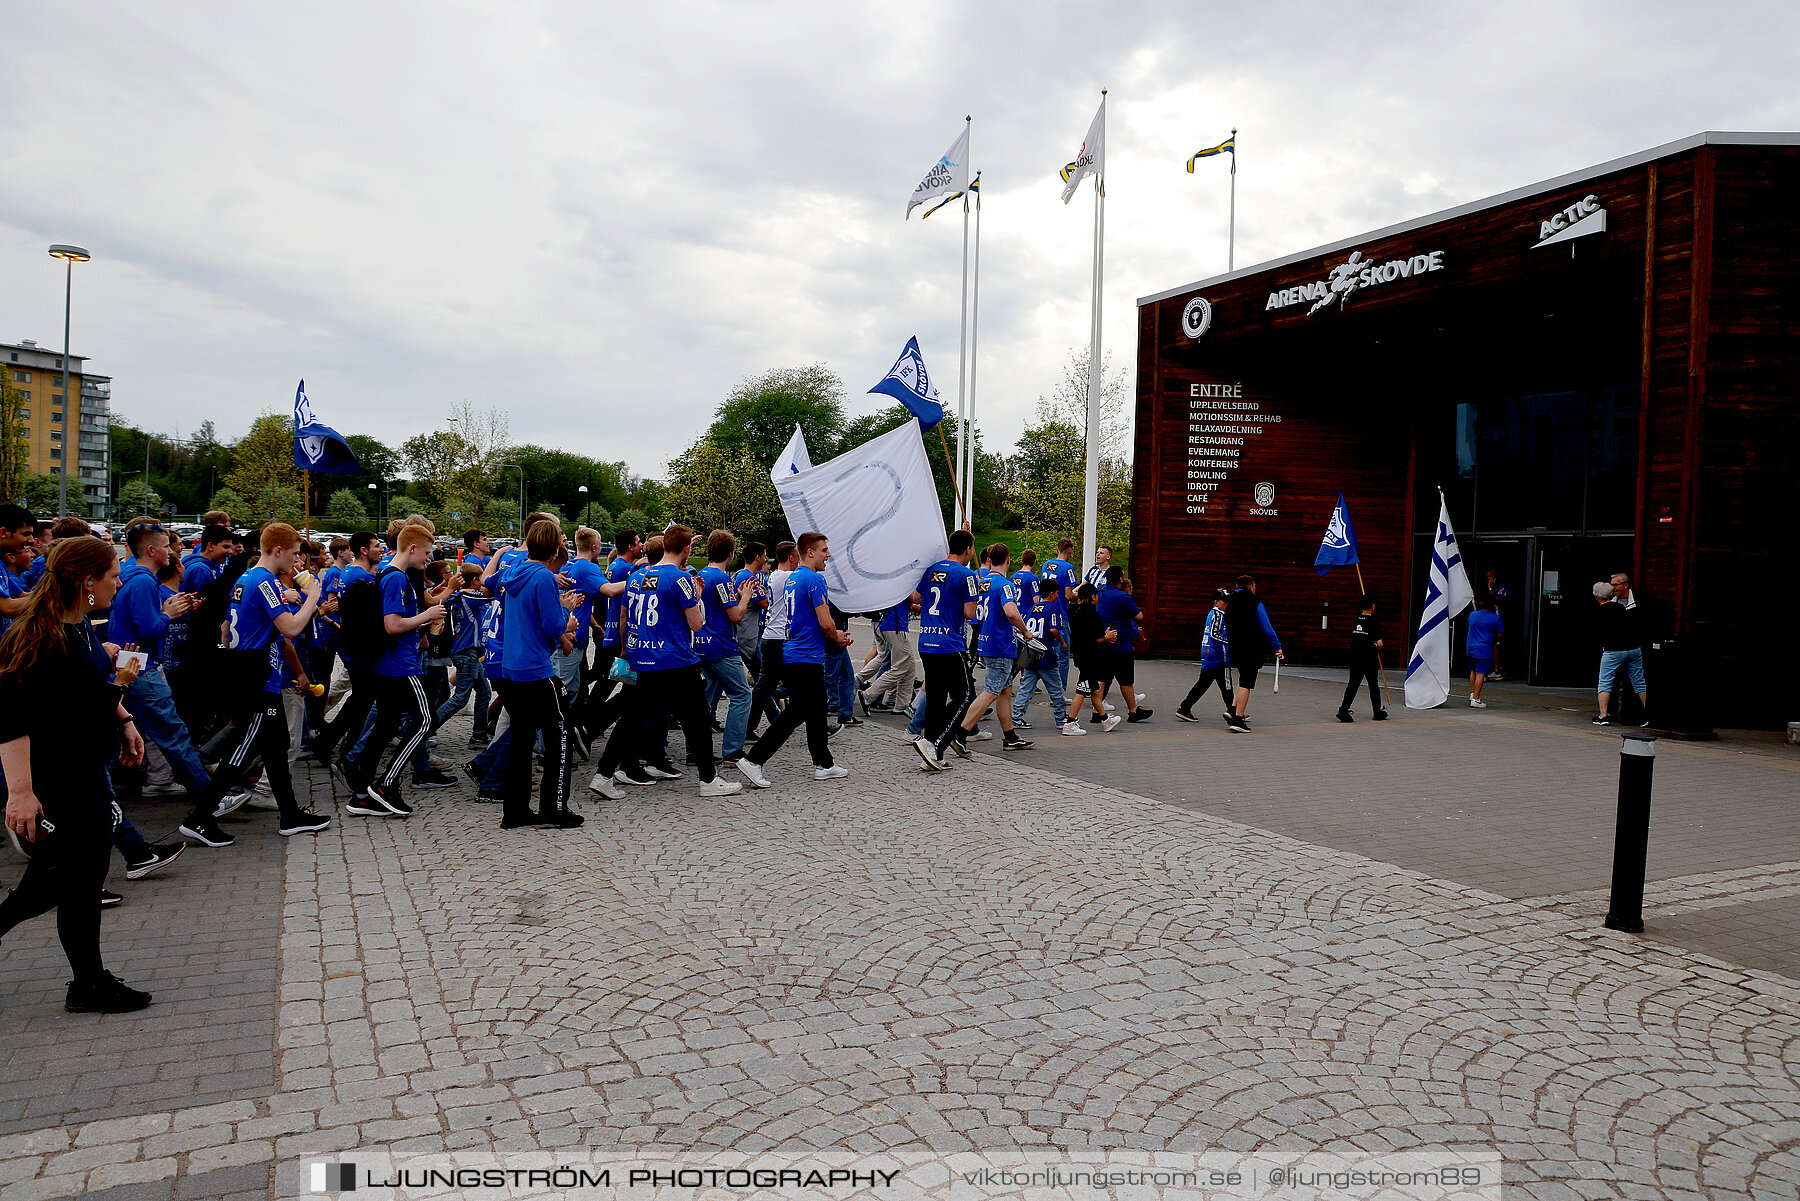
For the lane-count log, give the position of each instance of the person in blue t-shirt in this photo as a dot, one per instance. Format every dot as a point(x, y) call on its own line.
point(810, 630)
point(476, 548)
point(1485, 628)
point(663, 617)
point(400, 698)
point(1061, 570)
point(1045, 624)
point(258, 619)
point(1002, 631)
point(468, 608)
point(946, 600)
point(605, 703)
point(537, 620)
point(16, 526)
point(721, 662)
point(1118, 615)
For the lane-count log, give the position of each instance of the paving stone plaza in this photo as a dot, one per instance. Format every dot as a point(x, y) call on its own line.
point(1369, 937)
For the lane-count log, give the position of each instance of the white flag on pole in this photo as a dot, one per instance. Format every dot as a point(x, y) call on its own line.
point(793, 460)
point(1091, 160)
point(1448, 593)
point(879, 506)
point(949, 174)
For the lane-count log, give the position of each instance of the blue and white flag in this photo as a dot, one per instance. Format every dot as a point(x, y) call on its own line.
point(1448, 593)
point(1339, 546)
point(908, 382)
point(318, 447)
point(793, 459)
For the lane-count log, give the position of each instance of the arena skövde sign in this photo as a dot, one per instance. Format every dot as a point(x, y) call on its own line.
point(1352, 275)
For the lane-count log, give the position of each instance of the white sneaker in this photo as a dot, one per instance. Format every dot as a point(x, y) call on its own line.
point(1110, 724)
point(1109, 705)
point(230, 803)
point(1073, 729)
point(605, 786)
point(1477, 703)
point(831, 773)
point(982, 736)
point(154, 791)
point(718, 786)
point(752, 773)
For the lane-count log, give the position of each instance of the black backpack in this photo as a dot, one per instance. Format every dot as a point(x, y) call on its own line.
point(362, 632)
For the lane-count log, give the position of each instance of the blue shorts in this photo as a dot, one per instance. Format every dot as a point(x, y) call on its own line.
point(1481, 667)
point(999, 675)
point(1613, 662)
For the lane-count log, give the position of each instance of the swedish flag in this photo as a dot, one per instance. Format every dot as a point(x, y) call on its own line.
point(1228, 146)
point(974, 190)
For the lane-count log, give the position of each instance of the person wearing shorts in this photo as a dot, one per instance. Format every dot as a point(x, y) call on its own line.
point(1251, 637)
point(1485, 629)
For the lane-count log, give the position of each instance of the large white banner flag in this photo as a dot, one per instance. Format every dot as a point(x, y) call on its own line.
point(793, 460)
point(1091, 160)
point(950, 174)
point(879, 506)
point(1447, 594)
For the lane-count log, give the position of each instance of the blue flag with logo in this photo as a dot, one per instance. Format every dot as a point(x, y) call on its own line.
point(1339, 547)
point(318, 447)
point(908, 382)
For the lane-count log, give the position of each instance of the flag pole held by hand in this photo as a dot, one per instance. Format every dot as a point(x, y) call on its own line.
point(1277, 675)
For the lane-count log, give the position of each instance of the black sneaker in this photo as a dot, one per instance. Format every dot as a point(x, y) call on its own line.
point(1229, 716)
point(1344, 715)
point(1603, 720)
point(431, 777)
point(1012, 742)
point(1184, 715)
point(161, 855)
point(852, 720)
point(960, 744)
point(389, 796)
point(474, 773)
point(512, 821)
point(562, 819)
point(1142, 714)
point(206, 833)
point(1238, 725)
point(490, 798)
point(1381, 715)
point(1020, 723)
point(304, 823)
point(104, 995)
point(477, 742)
point(880, 707)
point(110, 899)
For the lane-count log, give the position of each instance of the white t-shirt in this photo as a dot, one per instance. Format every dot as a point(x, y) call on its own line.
point(775, 623)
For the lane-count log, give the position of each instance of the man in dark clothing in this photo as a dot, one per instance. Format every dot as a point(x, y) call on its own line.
point(1365, 661)
point(1252, 638)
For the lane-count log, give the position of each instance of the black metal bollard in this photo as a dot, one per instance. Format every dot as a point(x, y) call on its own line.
point(1637, 762)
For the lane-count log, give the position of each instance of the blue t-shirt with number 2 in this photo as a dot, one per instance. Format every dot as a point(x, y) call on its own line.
point(943, 590)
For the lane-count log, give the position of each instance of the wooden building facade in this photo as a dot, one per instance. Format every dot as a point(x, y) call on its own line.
point(1599, 372)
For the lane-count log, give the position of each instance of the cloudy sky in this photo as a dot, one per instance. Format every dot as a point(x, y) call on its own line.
point(602, 216)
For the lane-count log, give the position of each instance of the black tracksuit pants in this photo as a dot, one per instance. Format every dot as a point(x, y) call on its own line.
point(762, 697)
point(263, 732)
point(1364, 667)
point(946, 696)
point(1208, 676)
point(536, 706)
point(805, 704)
point(396, 699)
point(353, 714)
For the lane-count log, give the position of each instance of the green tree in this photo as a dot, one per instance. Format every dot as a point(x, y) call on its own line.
point(402, 505)
point(228, 500)
point(15, 449)
point(719, 487)
point(40, 493)
point(278, 503)
point(596, 518)
point(264, 457)
point(759, 415)
point(133, 502)
point(500, 517)
point(438, 462)
point(549, 510)
point(638, 520)
point(346, 509)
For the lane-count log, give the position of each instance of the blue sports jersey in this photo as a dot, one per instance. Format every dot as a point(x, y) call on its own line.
point(1484, 627)
point(250, 622)
point(943, 590)
point(619, 569)
point(34, 572)
point(402, 655)
point(12, 586)
point(998, 639)
point(472, 557)
point(806, 638)
point(1119, 612)
point(588, 577)
point(1061, 573)
point(1026, 582)
point(493, 641)
point(897, 620)
point(657, 637)
point(1043, 620)
point(717, 639)
point(471, 612)
point(759, 596)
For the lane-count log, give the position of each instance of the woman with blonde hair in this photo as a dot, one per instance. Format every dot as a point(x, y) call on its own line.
point(61, 718)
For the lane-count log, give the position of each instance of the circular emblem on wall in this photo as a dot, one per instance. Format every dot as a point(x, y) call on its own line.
point(1196, 318)
point(1265, 495)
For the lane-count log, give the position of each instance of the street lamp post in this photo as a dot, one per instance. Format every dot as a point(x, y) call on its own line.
point(521, 472)
point(377, 513)
point(70, 255)
point(580, 517)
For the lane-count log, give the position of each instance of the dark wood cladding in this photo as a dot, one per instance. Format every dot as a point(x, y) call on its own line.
point(1695, 287)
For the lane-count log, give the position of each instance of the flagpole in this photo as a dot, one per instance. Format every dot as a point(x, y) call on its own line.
point(306, 487)
point(954, 486)
point(1231, 234)
point(968, 488)
point(1090, 504)
point(962, 350)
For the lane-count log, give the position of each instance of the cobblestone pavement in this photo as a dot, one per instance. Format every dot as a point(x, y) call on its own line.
point(1000, 956)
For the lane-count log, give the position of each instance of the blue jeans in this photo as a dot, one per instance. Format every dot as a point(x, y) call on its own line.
point(1630, 662)
point(568, 670)
point(469, 679)
point(491, 763)
point(150, 702)
point(727, 675)
point(1049, 673)
point(840, 682)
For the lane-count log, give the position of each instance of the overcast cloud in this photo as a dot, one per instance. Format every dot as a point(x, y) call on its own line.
point(601, 217)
